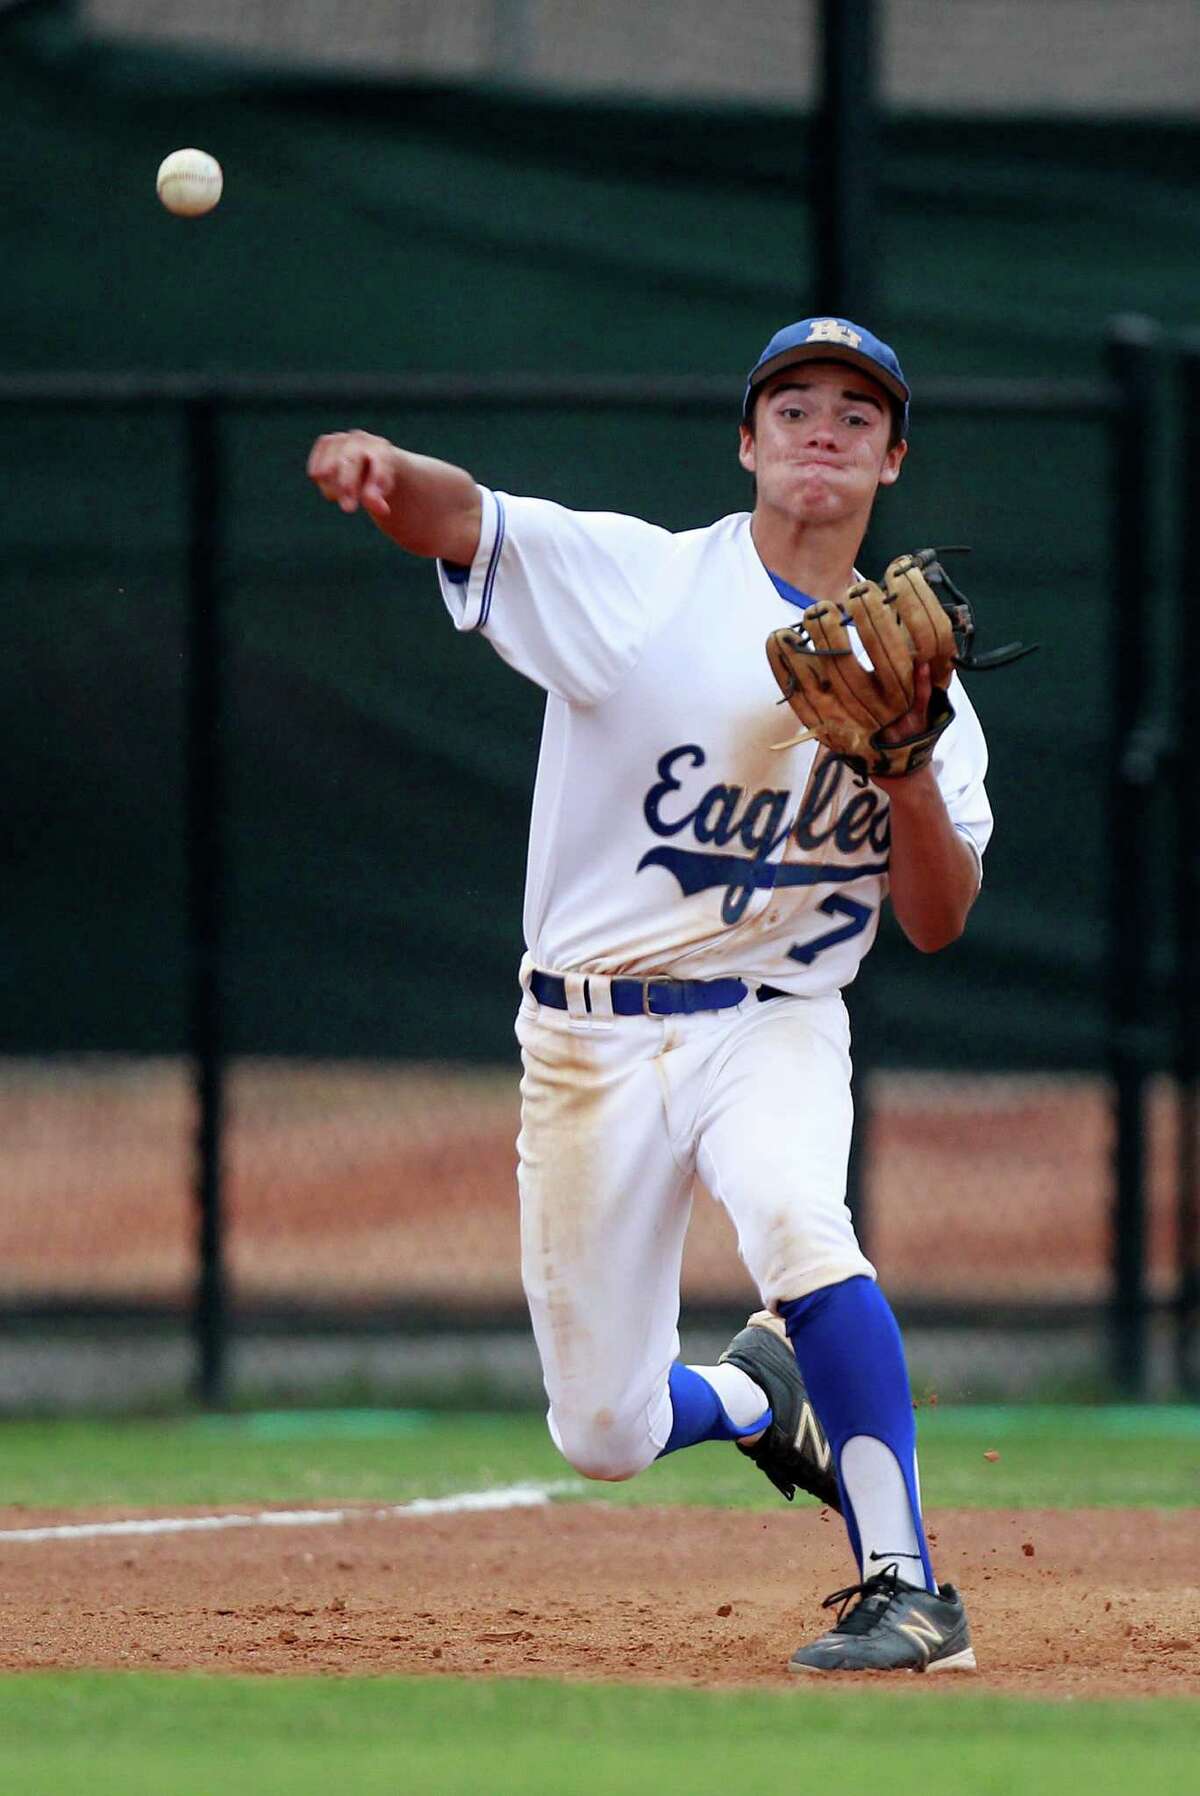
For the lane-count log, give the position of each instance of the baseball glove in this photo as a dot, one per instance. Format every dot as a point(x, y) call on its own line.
point(918, 614)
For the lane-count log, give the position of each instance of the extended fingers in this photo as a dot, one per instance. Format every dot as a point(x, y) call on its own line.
point(376, 488)
point(348, 469)
point(334, 464)
point(915, 721)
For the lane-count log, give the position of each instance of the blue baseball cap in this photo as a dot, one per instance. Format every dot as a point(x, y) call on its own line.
point(829, 340)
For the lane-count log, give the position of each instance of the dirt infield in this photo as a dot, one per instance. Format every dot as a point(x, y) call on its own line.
point(1062, 1604)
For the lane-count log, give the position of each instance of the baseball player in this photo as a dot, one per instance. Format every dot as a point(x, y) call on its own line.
point(697, 898)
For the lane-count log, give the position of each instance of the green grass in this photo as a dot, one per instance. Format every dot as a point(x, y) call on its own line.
point(1048, 1458)
point(140, 1735)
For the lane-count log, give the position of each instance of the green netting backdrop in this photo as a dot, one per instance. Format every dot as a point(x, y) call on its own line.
point(380, 766)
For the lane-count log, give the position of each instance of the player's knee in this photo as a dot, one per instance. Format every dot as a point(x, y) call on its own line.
point(604, 1469)
point(596, 1447)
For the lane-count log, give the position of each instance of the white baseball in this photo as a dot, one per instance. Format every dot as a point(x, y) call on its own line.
point(189, 182)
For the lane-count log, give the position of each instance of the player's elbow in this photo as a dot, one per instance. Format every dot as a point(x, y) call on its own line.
point(934, 919)
point(930, 936)
point(932, 941)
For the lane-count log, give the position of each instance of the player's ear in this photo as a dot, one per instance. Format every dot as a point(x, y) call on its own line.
point(889, 474)
point(746, 449)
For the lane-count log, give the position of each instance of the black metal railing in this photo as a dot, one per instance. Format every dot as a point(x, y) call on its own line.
point(1186, 811)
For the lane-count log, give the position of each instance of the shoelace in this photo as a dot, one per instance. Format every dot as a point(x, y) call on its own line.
point(875, 1597)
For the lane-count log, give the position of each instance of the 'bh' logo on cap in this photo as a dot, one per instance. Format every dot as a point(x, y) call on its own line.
point(832, 330)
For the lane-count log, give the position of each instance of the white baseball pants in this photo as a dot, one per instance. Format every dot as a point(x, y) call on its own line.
point(617, 1119)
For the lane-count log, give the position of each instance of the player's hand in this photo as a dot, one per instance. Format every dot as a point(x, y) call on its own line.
point(916, 719)
point(914, 723)
point(353, 468)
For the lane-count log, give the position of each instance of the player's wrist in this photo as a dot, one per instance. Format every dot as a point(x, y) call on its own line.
point(915, 791)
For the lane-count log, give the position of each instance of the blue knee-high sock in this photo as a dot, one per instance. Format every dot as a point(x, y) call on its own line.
point(848, 1347)
point(698, 1413)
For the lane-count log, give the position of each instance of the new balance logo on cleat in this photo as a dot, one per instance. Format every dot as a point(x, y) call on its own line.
point(793, 1452)
point(922, 1631)
point(811, 1440)
point(892, 1626)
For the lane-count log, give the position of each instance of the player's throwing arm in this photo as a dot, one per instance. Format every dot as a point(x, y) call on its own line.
point(429, 507)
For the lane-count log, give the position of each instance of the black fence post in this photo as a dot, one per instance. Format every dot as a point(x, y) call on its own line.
point(846, 161)
point(1135, 755)
point(1186, 823)
point(205, 777)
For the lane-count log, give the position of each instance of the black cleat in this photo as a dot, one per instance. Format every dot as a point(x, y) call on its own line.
point(892, 1627)
point(793, 1452)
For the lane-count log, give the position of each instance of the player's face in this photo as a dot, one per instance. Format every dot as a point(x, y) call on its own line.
point(820, 447)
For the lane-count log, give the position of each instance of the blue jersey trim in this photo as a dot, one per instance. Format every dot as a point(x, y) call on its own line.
point(489, 579)
point(793, 595)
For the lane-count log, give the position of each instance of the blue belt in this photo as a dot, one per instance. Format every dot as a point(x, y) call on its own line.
point(654, 997)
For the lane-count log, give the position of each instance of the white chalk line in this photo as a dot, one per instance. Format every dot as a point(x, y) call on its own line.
point(513, 1496)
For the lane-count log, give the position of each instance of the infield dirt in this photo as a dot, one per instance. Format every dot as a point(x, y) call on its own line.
point(1087, 1603)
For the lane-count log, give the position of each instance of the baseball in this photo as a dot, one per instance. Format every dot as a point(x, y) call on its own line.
point(189, 182)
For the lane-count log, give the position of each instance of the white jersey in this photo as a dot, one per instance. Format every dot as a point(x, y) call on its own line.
point(669, 835)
